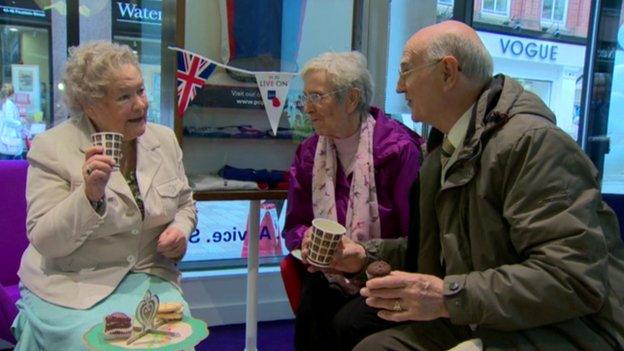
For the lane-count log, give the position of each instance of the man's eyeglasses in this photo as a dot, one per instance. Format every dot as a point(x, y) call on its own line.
point(403, 74)
point(315, 98)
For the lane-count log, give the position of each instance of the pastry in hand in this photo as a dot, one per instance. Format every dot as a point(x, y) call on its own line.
point(378, 269)
point(117, 326)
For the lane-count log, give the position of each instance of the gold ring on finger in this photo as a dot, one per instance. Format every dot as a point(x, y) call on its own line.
point(397, 306)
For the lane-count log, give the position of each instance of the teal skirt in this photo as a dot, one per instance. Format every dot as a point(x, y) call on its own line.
point(41, 325)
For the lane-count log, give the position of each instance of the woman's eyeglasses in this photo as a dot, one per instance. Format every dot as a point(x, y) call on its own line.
point(315, 98)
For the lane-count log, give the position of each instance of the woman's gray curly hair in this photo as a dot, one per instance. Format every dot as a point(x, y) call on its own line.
point(345, 70)
point(91, 69)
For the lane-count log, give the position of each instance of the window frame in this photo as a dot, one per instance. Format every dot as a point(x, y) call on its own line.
point(555, 21)
point(493, 12)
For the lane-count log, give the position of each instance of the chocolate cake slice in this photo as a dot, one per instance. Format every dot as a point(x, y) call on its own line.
point(117, 325)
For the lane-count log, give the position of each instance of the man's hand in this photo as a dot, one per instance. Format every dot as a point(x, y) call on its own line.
point(403, 296)
point(172, 243)
point(349, 257)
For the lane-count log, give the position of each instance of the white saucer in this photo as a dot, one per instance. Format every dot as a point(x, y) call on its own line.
point(296, 254)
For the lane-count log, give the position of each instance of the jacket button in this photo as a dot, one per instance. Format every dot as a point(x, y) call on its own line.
point(130, 259)
point(135, 231)
point(454, 286)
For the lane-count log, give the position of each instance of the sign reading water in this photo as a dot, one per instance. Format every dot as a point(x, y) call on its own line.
point(132, 12)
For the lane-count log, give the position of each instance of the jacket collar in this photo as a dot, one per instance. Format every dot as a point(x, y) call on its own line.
point(489, 114)
point(148, 160)
point(385, 136)
point(503, 99)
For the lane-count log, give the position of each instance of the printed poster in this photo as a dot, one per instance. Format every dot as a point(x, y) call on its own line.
point(27, 86)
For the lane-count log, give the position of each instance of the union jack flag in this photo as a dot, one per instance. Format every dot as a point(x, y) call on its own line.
point(193, 70)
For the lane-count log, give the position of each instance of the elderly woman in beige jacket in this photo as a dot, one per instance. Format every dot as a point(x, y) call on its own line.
point(100, 237)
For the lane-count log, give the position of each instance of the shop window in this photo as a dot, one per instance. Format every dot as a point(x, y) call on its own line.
point(25, 75)
point(604, 125)
point(548, 19)
point(444, 10)
point(554, 10)
point(540, 88)
point(545, 55)
point(496, 7)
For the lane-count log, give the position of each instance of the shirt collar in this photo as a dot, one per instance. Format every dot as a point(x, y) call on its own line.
point(458, 132)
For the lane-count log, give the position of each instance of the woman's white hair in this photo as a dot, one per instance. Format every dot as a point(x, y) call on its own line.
point(91, 69)
point(473, 57)
point(345, 70)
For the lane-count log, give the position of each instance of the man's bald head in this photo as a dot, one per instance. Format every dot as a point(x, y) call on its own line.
point(452, 38)
point(445, 67)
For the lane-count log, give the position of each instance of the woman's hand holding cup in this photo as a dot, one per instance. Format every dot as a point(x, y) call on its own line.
point(325, 248)
point(96, 172)
point(305, 245)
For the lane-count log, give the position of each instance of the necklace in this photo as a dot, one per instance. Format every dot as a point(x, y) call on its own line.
point(128, 160)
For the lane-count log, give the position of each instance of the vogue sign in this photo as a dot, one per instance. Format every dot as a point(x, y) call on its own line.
point(533, 50)
point(530, 49)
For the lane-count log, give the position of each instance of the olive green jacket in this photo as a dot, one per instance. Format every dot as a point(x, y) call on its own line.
point(530, 254)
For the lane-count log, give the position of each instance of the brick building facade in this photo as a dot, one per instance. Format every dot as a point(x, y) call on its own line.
point(528, 14)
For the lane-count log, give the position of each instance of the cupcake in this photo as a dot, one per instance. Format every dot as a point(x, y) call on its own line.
point(117, 325)
point(377, 269)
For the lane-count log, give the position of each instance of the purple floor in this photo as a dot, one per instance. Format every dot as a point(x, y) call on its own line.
point(272, 336)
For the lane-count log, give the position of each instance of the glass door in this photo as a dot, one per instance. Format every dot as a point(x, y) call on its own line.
point(605, 109)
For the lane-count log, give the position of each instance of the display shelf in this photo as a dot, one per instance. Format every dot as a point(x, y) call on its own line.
point(264, 137)
point(240, 195)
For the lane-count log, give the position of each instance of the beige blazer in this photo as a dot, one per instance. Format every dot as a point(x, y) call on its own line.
point(77, 257)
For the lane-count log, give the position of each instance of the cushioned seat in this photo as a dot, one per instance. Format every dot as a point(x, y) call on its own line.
point(8, 311)
point(12, 292)
point(13, 240)
point(292, 270)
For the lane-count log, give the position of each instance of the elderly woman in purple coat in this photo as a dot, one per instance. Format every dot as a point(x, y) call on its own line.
point(357, 168)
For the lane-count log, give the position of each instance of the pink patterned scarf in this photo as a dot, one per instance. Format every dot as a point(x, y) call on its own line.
point(362, 221)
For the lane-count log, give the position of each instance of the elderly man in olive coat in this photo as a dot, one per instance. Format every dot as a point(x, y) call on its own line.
point(516, 249)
